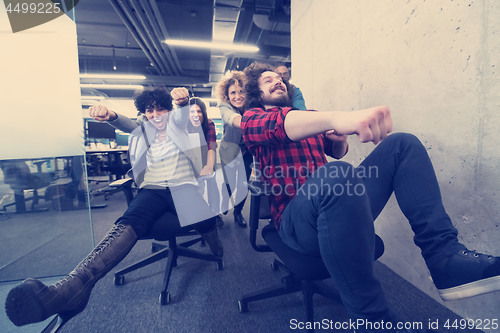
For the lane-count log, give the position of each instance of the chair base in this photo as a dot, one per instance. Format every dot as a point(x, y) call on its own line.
point(55, 324)
point(171, 252)
point(290, 285)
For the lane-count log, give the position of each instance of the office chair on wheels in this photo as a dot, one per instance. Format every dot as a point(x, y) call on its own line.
point(160, 231)
point(304, 272)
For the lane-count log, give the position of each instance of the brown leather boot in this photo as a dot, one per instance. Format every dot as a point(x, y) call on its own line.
point(32, 301)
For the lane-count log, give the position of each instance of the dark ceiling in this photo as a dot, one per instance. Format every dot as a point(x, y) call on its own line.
point(125, 37)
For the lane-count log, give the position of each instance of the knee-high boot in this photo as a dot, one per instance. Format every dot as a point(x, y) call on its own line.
point(32, 301)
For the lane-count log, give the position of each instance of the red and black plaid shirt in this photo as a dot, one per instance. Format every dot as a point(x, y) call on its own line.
point(284, 164)
point(211, 137)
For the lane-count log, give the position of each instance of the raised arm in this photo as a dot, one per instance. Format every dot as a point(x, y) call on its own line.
point(229, 115)
point(102, 113)
point(372, 124)
point(180, 115)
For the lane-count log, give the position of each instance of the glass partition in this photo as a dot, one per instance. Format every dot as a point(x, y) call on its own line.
point(44, 216)
point(45, 222)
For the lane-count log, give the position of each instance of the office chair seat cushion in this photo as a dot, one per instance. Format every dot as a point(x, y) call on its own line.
point(166, 227)
point(303, 266)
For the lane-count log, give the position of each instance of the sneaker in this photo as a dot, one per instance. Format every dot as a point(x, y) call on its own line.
point(466, 274)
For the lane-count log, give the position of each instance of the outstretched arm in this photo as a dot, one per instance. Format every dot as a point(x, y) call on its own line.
point(372, 124)
point(102, 113)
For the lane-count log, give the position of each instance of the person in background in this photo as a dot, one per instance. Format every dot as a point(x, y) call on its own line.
point(231, 92)
point(298, 101)
point(161, 167)
point(329, 209)
point(198, 118)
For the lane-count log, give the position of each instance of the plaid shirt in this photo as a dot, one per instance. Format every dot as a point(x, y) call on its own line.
point(211, 137)
point(284, 164)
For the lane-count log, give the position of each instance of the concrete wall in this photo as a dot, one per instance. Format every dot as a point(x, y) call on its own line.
point(435, 64)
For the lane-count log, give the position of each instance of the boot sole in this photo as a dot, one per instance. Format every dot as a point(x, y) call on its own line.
point(22, 306)
point(471, 289)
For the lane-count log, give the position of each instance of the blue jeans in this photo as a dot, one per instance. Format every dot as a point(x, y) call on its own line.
point(333, 212)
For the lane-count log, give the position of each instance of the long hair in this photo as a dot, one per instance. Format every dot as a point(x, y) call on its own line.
point(204, 123)
point(253, 73)
point(232, 77)
point(150, 98)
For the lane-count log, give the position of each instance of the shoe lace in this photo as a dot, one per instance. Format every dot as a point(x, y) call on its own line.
point(475, 254)
point(110, 237)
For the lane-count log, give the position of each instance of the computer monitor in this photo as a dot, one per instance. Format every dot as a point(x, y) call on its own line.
point(97, 130)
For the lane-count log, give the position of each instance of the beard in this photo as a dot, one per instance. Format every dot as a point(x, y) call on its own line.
point(281, 101)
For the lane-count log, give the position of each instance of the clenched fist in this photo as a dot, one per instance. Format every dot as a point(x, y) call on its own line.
point(180, 96)
point(102, 113)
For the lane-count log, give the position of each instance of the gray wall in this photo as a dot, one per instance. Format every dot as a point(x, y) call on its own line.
point(434, 64)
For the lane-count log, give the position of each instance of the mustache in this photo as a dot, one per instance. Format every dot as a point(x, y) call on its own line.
point(280, 87)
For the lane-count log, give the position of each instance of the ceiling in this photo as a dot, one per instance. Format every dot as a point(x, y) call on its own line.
point(125, 37)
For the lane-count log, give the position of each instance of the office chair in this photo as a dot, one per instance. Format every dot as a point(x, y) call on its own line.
point(19, 177)
point(304, 272)
point(160, 231)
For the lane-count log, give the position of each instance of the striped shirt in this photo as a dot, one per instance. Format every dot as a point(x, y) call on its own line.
point(167, 166)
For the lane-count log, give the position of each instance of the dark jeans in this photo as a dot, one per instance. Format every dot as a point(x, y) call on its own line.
point(332, 216)
point(149, 205)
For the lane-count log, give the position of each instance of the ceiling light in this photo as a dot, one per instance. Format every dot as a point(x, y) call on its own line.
point(113, 86)
point(113, 76)
point(213, 45)
point(96, 97)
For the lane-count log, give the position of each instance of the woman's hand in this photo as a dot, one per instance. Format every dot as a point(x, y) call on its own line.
point(206, 170)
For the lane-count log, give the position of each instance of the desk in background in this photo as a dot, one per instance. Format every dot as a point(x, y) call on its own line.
point(111, 161)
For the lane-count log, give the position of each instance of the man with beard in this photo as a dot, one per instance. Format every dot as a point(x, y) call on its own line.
point(329, 210)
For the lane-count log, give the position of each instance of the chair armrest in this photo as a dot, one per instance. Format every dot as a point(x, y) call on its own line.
point(124, 185)
point(122, 182)
point(257, 194)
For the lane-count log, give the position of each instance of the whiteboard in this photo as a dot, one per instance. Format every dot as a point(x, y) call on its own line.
point(40, 108)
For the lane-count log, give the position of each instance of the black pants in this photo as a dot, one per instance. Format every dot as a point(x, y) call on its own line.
point(150, 204)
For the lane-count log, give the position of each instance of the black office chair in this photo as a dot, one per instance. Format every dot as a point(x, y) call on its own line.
point(161, 231)
point(19, 177)
point(304, 272)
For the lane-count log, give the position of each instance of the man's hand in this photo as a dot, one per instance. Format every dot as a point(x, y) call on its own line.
point(102, 113)
point(372, 124)
point(180, 96)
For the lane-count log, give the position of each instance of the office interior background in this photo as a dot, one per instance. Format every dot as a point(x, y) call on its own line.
point(433, 63)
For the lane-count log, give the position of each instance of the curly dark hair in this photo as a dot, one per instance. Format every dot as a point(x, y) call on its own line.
point(253, 73)
point(150, 98)
point(204, 123)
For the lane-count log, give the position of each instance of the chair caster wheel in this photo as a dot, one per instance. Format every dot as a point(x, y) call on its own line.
point(164, 297)
point(220, 265)
point(242, 306)
point(119, 280)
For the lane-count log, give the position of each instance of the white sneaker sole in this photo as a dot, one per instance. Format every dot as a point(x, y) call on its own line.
point(471, 289)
